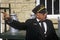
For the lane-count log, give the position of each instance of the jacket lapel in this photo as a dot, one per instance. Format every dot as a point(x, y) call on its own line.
point(39, 27)
point(35, 21)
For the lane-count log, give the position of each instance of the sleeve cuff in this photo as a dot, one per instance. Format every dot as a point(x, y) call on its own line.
point(10, 20)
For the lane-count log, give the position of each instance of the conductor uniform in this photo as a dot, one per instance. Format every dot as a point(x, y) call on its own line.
point(34, 27)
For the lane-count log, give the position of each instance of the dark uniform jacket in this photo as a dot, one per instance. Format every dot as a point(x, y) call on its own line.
point(33, 29)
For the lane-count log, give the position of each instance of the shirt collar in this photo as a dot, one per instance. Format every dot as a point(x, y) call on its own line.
point(38, 20)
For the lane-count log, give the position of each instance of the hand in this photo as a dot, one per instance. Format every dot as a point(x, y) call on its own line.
point(5, 16)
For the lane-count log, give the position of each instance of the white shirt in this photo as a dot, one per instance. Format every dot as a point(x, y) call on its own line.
point(44, 24)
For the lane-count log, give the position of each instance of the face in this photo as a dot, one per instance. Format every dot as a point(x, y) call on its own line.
point(41, 16)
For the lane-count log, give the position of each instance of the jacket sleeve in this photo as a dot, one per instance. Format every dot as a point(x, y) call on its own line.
point(17, 24)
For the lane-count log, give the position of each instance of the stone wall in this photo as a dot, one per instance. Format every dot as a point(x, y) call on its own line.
point(23, 8)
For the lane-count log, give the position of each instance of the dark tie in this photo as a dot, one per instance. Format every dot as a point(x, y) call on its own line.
point(42, 26)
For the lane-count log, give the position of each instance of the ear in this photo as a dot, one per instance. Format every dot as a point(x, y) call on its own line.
point(45, 14)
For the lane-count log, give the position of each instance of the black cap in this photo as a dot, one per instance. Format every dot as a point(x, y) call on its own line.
point(40, 9)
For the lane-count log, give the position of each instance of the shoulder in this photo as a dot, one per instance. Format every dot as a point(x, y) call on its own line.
point(48, 20)
point(30, 20)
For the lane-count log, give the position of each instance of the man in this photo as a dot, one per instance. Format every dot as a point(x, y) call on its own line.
point(39, 28)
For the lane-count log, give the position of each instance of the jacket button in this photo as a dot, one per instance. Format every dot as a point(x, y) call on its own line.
point(45, 35)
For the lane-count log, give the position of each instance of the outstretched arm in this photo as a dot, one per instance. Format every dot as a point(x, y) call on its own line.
point(13, 23)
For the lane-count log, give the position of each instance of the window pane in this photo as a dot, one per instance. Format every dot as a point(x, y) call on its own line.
point(56, 7)
point(42, 2)
point(49, 6)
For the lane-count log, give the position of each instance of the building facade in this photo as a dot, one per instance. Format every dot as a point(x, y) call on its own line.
point(23, 9)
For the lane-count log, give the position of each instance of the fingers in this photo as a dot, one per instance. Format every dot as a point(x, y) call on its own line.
point(5, 16)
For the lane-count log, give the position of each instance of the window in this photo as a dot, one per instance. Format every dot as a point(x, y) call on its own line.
point(51, 5)
point(42, 2)
point(56, 7)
